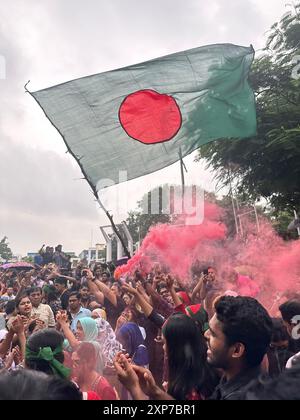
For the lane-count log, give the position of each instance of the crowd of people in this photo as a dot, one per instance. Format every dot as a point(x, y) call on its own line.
point(82, 334)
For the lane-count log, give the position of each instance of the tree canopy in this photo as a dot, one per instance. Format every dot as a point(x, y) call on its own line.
point(5, 251)
point(141, 220)
point(268, 165)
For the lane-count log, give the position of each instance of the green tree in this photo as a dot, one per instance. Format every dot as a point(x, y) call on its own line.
point(141, 220)
point(139, 224)
point(268, 165)
point(29, 260)
point(280, 221)
point(5, 251)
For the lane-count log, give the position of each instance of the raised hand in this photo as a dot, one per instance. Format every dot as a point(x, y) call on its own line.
point(129, 289)
point(62, 317)
point(40, 325)
point(10, 359)
point(146, 381)
point(169, 281)
point(141, 290)
point(89, 275)
point(17, 355)
point(126, 373)
point(18, 325)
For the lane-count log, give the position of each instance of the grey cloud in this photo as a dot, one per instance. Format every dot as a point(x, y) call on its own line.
point(43, 182)
point(242, 20)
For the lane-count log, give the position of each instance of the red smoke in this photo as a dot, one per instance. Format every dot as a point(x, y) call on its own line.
point(267, 259)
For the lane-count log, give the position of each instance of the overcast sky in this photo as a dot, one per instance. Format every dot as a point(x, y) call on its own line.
point(43, 199)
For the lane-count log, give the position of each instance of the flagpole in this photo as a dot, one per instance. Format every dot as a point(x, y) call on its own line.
point(113, 225)
point(257, 219)
point(296, 218)
point(182, 168)
point(233, 205)
point(182, 172)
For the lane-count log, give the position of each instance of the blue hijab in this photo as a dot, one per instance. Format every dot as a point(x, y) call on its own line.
point(131, 338)
point(90, 329)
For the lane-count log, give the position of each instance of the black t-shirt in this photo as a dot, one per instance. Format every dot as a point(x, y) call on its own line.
point(114, 312)
point(235, 389)
point(157, 319)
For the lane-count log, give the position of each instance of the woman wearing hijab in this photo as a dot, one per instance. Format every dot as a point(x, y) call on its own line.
point(99, 313)
point(130, 336)
point(108, 341)
point(86, 331)
point(110, 347)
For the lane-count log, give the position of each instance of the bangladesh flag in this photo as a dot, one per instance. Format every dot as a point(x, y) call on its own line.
point(137, 119)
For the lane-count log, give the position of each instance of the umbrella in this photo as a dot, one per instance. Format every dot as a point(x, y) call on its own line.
point(17, 266)
point(122, 261)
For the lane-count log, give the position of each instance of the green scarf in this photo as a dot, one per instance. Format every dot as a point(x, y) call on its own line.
point(48, 355)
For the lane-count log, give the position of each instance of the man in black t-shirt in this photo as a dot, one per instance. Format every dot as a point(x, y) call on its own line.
point(239, 336)
point(60, 284)
point(113, 311)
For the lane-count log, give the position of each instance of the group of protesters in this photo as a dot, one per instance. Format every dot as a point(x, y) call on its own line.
point(84, 334)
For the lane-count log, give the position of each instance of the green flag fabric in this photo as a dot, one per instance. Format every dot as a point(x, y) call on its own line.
point(137, 119)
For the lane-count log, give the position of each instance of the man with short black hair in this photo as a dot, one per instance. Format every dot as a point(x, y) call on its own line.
point(238, 339)
point(60, 258)
point(107, 279)
point(47, 254)
point(76, 310)
point(60, 284)
point(86, 297)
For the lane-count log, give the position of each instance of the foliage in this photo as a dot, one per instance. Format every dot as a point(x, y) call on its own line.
point(5, 251)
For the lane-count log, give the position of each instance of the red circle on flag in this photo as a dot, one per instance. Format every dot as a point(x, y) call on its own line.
point(150, 117)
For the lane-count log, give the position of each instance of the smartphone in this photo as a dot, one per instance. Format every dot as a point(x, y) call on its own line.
point(123, 280)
